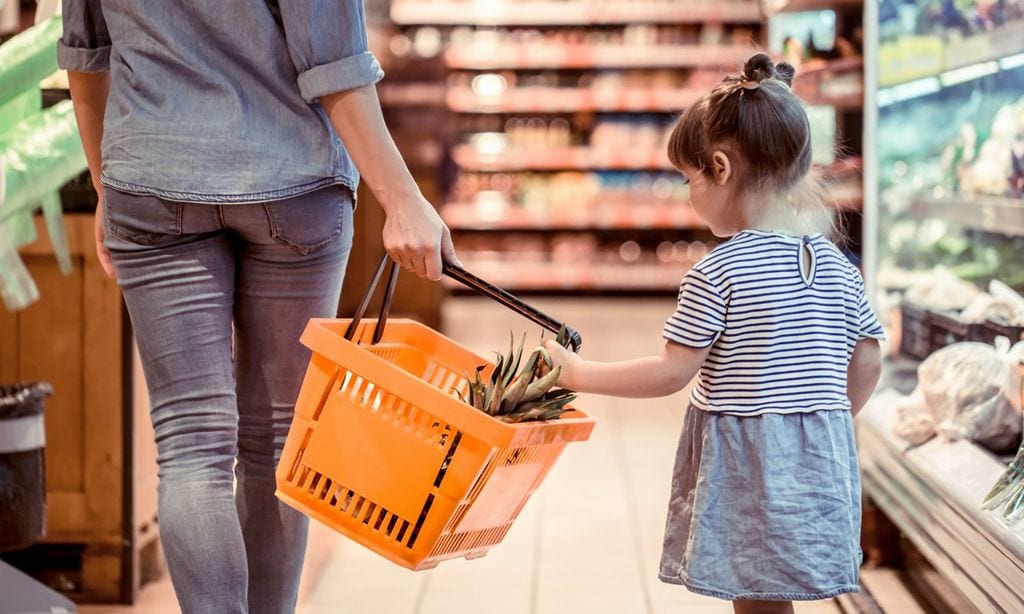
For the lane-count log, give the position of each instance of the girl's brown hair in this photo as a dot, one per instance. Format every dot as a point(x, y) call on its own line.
point(756, 119)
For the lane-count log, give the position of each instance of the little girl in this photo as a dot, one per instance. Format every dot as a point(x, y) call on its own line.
point(765, 504)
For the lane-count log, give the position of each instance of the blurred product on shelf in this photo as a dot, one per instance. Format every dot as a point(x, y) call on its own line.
point(940, 309)
point(942, 290)
point(571, 12)
point(575, 261)
point(570, 200)
point(922, 39)
point(631, 90)
point(948, 19)
point(535, 143)
point(631, 45)
point(994, 166)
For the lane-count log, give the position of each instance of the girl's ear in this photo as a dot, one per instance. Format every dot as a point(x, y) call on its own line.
point(721, 167)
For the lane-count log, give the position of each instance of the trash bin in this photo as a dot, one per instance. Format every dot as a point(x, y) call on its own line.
point(22, 478)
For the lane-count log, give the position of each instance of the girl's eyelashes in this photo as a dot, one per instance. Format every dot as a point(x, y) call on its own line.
point(686, 180)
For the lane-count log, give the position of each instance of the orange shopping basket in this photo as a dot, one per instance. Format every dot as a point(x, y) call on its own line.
point(381, 450)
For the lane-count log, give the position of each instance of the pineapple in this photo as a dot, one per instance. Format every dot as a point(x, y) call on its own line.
point(512, 394)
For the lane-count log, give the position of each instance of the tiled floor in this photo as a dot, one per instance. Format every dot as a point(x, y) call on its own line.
point(589, 540)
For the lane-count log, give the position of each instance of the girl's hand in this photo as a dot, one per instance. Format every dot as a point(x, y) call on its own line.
point(562, 357)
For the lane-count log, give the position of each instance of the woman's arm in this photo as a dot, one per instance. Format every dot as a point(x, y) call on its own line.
point(89, 92)
point(648, 377)
point(863, 373)
point(414, 234)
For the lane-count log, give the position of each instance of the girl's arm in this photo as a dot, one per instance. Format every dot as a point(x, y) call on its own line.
point(863, 373)
point(651, 376)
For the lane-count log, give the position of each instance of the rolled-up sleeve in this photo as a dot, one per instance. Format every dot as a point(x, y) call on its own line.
point(85, 44)
point(327, 42)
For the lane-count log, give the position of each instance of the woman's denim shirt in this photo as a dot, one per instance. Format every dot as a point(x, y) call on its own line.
point(217, 101)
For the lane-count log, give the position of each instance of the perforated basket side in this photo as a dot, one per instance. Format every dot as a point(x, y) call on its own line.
point(370, 455)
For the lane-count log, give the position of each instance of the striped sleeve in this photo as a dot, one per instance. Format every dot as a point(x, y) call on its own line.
point(868, 326)
point(700, 313)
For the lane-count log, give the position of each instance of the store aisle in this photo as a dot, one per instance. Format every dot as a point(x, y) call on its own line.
point(589, 540)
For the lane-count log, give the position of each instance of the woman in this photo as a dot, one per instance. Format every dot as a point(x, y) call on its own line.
point(226, 198)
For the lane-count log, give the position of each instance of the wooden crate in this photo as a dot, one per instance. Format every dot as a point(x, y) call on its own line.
point(100, 455)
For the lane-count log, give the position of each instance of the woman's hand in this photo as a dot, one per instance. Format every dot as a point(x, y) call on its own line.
point(416, 238)
point(89, 92)
point(414, 234)
point(101, 250)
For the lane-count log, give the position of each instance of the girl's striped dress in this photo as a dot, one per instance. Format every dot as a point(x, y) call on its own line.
point(765, 497)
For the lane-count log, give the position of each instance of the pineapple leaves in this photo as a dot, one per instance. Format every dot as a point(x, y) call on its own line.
point(518, 390)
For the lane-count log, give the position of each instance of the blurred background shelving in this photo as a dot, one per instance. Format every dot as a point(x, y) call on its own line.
point(555, 174)
point(824, 40)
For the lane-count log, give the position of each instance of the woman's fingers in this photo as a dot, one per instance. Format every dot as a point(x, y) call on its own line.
point(414, 237)
point(102, 253)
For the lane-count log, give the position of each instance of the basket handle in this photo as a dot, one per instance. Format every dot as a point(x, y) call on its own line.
point(385, 307)
point(573, 338)
point(488, 289)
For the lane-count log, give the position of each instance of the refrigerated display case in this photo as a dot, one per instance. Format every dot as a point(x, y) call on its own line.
point(943, 156)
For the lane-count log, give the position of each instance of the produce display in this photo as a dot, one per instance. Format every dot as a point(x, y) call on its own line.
point(961, 18)
point(514, 394)
point(942, 290)
point(951, 182)
point(973, 164)
point(964, 392)
point(1008, 492)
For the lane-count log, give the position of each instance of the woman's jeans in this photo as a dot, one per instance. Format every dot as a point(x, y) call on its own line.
point(193, 274)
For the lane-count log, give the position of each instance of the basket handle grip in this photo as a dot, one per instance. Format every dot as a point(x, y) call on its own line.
point(385, 307)
point(488, 289)
point(573, 338)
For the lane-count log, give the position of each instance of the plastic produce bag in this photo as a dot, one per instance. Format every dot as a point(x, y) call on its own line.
point(964, 392)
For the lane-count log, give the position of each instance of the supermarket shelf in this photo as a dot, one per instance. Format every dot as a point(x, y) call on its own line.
point(569, 13)
point(557, 158)
point(572, 100)
point(774, 7)
point(987, 213)
point(543, 276)
point(923, 65)
point(933, 493)
point(467, 217)
point(584, 56)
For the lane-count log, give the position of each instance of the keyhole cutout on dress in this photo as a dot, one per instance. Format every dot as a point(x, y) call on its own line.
point(808, 262)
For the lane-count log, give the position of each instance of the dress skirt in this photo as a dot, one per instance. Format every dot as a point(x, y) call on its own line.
point(765, 507)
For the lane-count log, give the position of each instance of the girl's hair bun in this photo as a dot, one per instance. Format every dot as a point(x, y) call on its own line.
point(759, 67)
point(785, 72)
